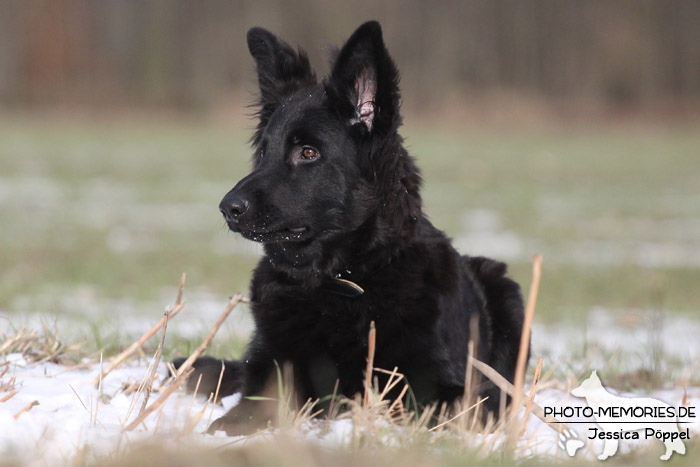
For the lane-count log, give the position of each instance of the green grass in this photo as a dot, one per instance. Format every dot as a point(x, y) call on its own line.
point(125, 206)
point(118, 209)
point(617, 190)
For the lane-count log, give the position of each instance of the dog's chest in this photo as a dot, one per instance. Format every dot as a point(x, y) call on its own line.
point(301, 324)
point(304, 320)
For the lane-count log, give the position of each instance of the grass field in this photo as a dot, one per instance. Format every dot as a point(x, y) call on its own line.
point(124, 206)
point(100, 216)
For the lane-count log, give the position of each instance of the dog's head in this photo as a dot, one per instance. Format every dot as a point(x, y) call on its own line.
point(590, 384)
point(327, 155)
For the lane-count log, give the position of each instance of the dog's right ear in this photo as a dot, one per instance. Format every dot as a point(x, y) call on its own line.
point(281, 72)
point(364, 82)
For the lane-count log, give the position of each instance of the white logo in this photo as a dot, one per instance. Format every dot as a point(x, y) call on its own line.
point(569, 442)
point(626, 418)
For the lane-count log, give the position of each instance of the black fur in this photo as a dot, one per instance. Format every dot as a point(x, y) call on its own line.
point(351, 210)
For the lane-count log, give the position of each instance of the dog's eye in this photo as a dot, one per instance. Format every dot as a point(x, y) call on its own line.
point(304, 155)
point(309, 153)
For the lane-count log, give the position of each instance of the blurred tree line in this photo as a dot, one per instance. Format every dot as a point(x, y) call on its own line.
point(190, 53)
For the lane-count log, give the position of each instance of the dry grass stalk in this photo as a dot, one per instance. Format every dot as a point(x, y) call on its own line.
point(99, 393)
point(371, 343)
point(180, 289)
point(26, 408)
point(144, 386)
point(533, 391)
point(192, 423)
point(79, 399)
point(8, 396)
point(525, 337)
point(23, 342)
point(207, 340)
point(470, 380)
point(218, 386)
point(99, 386)
point(548, 381)
point(468, 375)
point(129, 388)
point(306, 413)
point(332, 407)
point(376, 411)
point(158, 402)
point(460, 414)
point(186, 368)
point(35, 347)
point(156, 359)
point(523, 353)
point(134, 347)
point(288, 400)
point(394, 378)
point(194, 393)
point(6, 384)
point(10, 344)
point(397, 405)
point(160, 416)
point(52, 343)
point(426, 416)
point(505, 386)
point(93, 415)
point(119, 359)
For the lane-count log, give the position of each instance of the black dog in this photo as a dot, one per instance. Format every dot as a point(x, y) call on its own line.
point(334, 198)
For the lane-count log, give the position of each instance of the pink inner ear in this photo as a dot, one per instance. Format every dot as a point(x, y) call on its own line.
point(366, 88)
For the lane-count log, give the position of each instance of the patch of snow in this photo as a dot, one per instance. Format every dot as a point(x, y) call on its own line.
point(484, 236)
point(634, 337)
point(72, 414)
point(78, 308)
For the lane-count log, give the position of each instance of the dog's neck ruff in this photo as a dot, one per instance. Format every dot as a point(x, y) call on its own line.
point(347, 288)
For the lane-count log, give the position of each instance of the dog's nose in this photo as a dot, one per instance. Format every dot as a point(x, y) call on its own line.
point(234, 207)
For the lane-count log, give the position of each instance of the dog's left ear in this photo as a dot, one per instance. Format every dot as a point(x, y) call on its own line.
point(364, 82)
point(281, 72)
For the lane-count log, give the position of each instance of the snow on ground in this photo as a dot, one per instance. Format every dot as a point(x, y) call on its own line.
point(484, 231)
point(634, 337)
point(72, 414)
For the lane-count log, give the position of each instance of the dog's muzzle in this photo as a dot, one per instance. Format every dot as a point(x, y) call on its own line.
point(233, 207)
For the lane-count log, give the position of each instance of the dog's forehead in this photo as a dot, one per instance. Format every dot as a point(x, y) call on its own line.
point(294, 107)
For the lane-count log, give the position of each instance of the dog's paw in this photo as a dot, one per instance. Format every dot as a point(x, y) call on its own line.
point(230, 427)
point(217, 425)
point(239, 422)
point(569, 442)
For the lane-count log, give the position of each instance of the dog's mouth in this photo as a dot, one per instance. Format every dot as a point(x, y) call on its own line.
point(289, 234)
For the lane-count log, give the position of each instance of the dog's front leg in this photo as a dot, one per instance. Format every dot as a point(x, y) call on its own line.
point(609, 449)
point(258, 407)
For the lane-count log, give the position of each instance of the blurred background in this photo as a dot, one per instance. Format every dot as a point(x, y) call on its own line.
point(187, 54)
point(560, 127)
